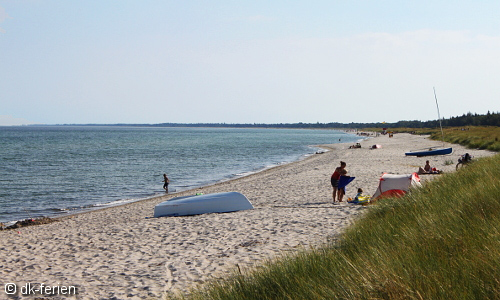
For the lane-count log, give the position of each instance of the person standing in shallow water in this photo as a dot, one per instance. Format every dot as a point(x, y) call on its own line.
point(166, 182)
point(335, 178)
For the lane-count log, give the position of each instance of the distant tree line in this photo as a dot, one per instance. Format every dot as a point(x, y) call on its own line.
point(469, 119)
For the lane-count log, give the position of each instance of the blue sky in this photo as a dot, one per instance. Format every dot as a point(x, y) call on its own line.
point(246, 61)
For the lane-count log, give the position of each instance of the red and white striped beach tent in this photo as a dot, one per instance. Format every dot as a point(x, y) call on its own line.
point(392, 185)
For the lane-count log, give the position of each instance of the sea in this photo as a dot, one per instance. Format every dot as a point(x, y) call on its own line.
point(57, 170)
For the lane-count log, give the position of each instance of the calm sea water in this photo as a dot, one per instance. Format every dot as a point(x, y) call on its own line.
point(53, 170)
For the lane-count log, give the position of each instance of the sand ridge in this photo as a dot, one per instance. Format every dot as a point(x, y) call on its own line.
point(124, 253)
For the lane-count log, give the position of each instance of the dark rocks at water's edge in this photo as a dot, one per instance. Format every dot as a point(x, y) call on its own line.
point(28, 222)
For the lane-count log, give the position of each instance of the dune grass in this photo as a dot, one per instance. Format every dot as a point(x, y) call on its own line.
point(440, 242)
point(474, 137)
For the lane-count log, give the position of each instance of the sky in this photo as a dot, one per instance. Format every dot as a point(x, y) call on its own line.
point(107, 62)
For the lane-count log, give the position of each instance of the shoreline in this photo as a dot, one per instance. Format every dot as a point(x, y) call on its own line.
point(122, 202)
point(114, 170)
point(123, 252)
point(193, 190)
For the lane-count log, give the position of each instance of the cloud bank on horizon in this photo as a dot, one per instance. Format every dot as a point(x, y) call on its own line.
point(247, 62)
point(11, 121)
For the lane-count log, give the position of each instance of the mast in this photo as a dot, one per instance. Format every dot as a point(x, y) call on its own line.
point(439, 116)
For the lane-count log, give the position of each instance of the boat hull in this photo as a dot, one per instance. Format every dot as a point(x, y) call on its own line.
point(442, 151)
point(202, 204)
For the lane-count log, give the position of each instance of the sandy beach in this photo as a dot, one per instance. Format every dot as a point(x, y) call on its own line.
point(124, 253)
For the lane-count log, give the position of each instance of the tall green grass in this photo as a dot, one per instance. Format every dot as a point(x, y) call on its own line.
point(439, 242)
point(474, 137)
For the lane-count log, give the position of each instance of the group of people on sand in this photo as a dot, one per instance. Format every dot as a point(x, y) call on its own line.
point(338, 193)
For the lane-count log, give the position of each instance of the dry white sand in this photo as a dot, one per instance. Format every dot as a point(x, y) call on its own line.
point(123, 253)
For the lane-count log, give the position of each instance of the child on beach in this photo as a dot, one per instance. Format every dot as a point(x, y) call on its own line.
point(360, 192)
point(167, 181)
point(360, 198)
point(335, 179)
point(341, 191)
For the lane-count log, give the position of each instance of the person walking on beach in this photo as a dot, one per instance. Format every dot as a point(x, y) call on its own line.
point(166, 182)
point(335, 179)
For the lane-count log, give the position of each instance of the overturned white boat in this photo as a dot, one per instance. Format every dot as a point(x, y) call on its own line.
point(202, 204)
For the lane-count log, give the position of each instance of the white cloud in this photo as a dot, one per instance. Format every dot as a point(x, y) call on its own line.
point(3, 16)
point(12, 121)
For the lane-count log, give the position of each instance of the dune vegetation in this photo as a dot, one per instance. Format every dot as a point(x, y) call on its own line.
point(441, 241)
point(487, 138)
point(475, 137)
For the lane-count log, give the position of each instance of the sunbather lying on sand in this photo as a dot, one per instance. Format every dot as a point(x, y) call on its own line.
point(428, 169)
